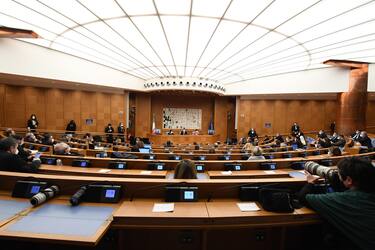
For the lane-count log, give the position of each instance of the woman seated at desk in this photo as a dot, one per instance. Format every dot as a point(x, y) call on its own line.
point(170, 132)
point(185, 169)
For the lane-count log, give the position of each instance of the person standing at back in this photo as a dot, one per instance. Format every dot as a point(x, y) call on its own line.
point(121, 131)
point(71, 127)
point(295, 129)
point(109, 130)
point(32, 123)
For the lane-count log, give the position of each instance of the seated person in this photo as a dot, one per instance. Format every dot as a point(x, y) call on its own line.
point(365, 140)
point(323, 140)
point(350, 213)
point(30, 137)
point(11, 161)
point(337, 140)
point(195, 132)
point(334, 151)
point(170, 132)
point(8, 132)
point(185, 169)
point(279, 138)
point(356, 135)
point(248, 146)
point(48, 139)
point(62, 148)
point(257, 154)
point(183, 132)
point(137, 146)
point(25, 154)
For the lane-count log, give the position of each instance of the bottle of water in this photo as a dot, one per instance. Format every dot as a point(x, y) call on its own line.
point(59, 162)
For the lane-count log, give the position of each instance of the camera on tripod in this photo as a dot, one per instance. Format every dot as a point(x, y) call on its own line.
point(331, 182)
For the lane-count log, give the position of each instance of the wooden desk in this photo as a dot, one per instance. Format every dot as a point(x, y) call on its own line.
point(126, 173)
point(225, 212)
point(243, 174)
point(138, 213)
point(184, 139)
point(91, 240)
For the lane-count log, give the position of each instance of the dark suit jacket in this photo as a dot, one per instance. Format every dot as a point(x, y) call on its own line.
point(14, 163)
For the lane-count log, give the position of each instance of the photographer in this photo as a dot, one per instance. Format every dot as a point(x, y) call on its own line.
point(350, 213)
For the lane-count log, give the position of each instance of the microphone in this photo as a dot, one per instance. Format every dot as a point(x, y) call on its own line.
point(77, 196)
point(44, 195)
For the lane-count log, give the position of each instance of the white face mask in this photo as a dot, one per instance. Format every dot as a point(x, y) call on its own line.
point(16, 152)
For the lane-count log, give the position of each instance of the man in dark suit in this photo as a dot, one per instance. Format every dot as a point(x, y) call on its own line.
point(295, 129)
point(252, 134)
point(183, 132)
point(11, 161)
point(109, 130)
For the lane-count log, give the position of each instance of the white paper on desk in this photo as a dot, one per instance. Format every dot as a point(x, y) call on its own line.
point(248, 206)
point(226, 172)
point(146, 172)
point(269, 172)
point(163, 207)
point(33, 152)
point(104, 171)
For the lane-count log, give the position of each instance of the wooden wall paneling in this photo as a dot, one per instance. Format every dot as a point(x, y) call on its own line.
point(256, 115)
point(221, 117)
point(316, 116)
point(72, 108)
point(88, 110)
point(330, 113)
point(243, 119)
point(55, 109)
point(143, 115)
point(103, 111)
point(266, 111)
point(280, 117)
point(15, 111)
point(118, 109)
point(370, 114)
point(2, 105)
point(35, 104)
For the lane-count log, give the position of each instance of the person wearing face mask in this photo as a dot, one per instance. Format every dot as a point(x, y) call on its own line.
point(32, 123)
point(25, 154)
point(11, 161)
point(121, 131)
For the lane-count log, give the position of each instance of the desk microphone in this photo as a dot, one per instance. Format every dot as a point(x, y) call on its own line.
point(77, 196)
point(44, 195)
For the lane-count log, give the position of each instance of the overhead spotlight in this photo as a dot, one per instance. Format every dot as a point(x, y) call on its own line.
point(181, 83)
point(157, 84)
point(152, 84)
point(144, 85)
point(205, 85)
point(194, 84)
point(211, 85)
point(187, 83)
point(200, 84)
point(162, 83)
point(168, 84)
point(148, 85)
point(174, 83)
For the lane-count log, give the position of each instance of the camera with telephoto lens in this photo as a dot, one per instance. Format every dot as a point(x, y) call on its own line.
point(44, 195)
point(332, 181)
